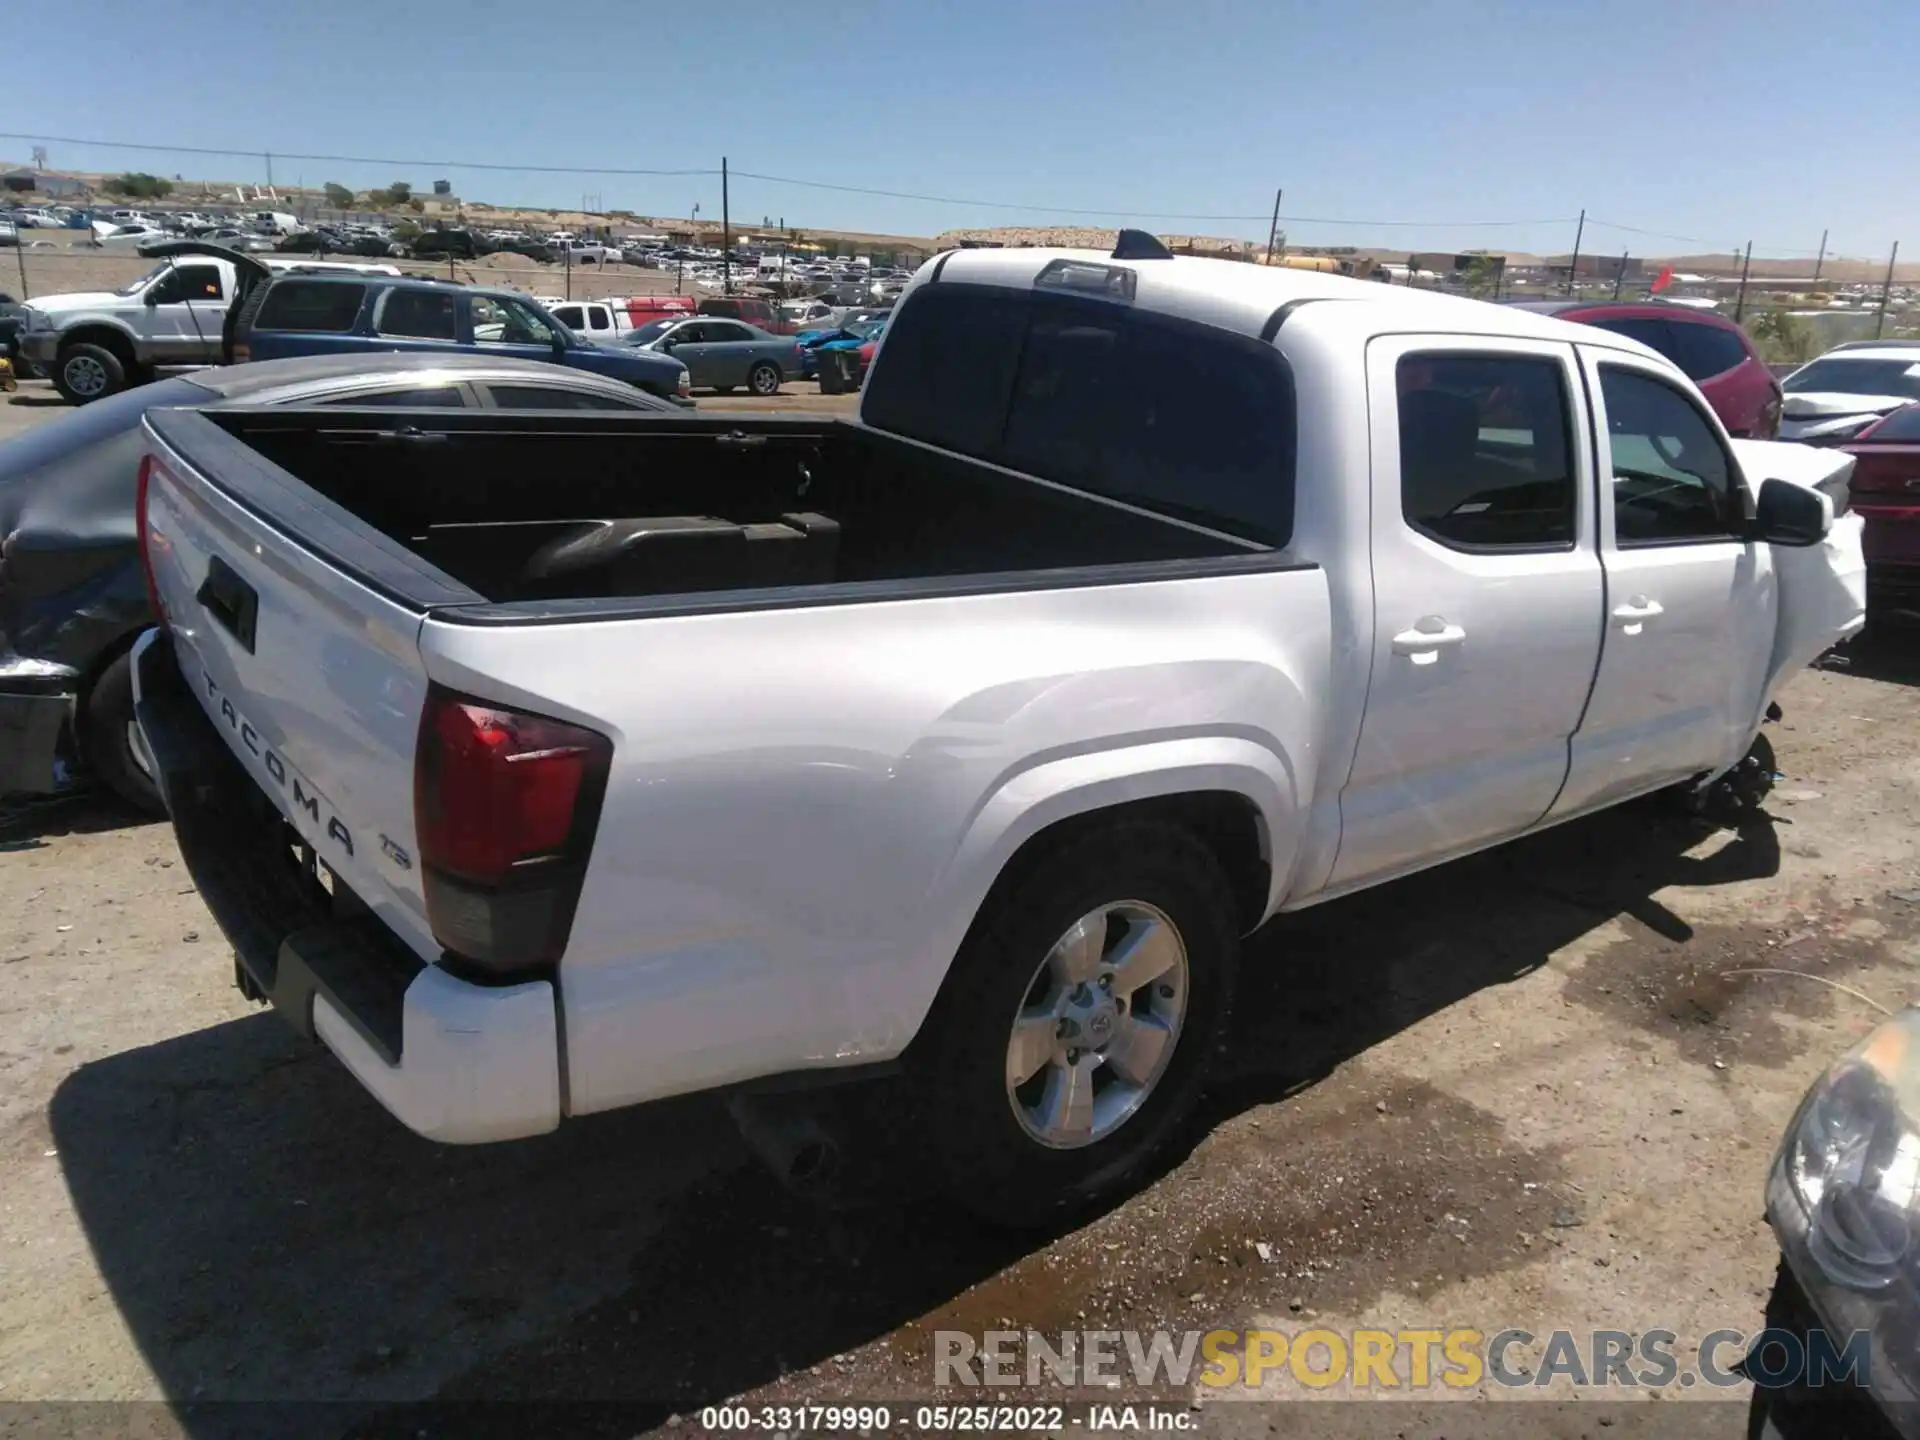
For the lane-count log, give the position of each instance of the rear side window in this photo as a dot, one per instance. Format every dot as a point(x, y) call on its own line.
point(552, 397)
point(1654, 334)
point(423, 397)
point(567, 315)
point(1707, 350)
point(417, 315)
point(1184, 419)
point(1485, 451)
point(310, 305)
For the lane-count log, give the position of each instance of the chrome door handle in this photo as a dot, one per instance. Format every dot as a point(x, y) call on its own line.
point(1636, 612)
point(1427, 639)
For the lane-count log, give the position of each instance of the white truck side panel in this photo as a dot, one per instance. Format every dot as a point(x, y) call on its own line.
point(807, 806)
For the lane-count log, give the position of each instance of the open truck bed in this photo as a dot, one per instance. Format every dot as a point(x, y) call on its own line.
point(513, 508)
point(808, 664)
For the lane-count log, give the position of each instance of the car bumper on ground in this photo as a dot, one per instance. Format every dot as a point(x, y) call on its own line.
point(452, 1060)
point(36, 712)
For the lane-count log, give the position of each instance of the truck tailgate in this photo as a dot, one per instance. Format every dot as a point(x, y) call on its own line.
point(312, 676)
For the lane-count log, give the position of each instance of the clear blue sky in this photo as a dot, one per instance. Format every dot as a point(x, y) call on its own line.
point(1717, 120)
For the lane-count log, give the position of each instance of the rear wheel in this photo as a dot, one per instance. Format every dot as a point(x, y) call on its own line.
point(764, 379)
point(1072, 1039)
point(116, 751)
point(85, 373)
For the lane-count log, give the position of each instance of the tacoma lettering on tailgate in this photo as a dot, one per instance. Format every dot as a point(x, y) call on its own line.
point(291, 782)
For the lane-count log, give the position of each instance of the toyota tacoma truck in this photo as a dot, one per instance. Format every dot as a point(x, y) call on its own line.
point(543, 765)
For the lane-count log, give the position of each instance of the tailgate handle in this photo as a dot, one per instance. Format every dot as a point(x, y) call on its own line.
point(230, 600)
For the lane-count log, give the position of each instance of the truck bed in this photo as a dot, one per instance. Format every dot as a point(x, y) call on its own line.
point(518, 508)
point(815, 766)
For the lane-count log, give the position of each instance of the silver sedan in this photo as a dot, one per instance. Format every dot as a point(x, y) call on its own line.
point(721, 354)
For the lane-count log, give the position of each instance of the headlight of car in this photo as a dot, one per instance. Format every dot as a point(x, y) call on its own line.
point(32, 320)
point(1844, 1200)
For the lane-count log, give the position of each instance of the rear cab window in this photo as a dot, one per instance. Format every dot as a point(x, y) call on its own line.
point(1187, 420)
point(310, 305)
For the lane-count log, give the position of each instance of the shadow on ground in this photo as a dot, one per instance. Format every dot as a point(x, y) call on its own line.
point(1887, 651)
point(269, 1234)
point(28, 824)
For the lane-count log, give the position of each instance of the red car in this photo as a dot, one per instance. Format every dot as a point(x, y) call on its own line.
point(763, 314)
point(1886, 494)
point(1710, 349)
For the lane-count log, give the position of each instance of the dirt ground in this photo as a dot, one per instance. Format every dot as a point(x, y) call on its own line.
point(1525, 1090)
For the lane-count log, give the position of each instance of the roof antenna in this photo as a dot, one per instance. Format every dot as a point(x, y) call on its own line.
point(1139, 245)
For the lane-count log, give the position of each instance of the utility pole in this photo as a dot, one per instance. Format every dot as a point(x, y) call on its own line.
point(1740, 302)
point(1880, 320)
point(20, 254)
point(567, 247)
point(1620, 275)
point(1821, 261)
point(1273, 229)
point(269, 160)
point(1573, 265)
point(726, 234)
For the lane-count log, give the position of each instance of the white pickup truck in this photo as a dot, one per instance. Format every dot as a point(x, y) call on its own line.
point(541, 766)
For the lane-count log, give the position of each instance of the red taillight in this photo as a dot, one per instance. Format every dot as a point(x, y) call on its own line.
point(140, 489)
point(504, 809)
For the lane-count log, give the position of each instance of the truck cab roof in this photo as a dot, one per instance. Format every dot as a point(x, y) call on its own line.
point(1256, 300)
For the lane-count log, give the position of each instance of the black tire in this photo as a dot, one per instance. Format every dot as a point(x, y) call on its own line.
point(764, 379)
point(78, 356)
point(109, 748)
point(991, 1164)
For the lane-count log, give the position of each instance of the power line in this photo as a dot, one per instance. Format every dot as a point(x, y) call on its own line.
point(1694, 239)
point(350, 159)
point(1130, 213)
point(1108, 213)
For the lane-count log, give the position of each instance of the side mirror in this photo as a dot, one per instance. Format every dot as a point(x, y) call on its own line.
point(152, 297)
point(1789, 514)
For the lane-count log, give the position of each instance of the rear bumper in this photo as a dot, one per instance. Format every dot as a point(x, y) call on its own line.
point(453, 1061)
point(36, 712)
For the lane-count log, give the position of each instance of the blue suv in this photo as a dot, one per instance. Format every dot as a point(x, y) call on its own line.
point(293, 315)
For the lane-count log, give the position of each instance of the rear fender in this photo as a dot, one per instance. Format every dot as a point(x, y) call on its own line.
point(1071, 787)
